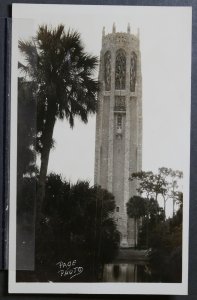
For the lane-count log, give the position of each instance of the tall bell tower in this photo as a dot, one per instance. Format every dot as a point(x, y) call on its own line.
point(118, 149)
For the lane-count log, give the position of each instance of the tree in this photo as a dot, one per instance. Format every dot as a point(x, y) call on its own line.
point(163, 184)
point(170, 186)
point(62, 73)
point(136, 208)
point(26, 174)
point(163, 236)
point(150, 212)
point(26, 162)
point(166, 240)
point(77, 223)
point(145, 181)
point(154, 215)
point(176, 195)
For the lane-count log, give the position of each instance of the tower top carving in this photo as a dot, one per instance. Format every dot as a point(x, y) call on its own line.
point(120, 38)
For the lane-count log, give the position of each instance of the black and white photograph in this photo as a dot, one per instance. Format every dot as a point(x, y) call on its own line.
point(100, 149)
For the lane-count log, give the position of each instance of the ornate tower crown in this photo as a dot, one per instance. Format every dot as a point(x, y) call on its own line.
point(120, 38)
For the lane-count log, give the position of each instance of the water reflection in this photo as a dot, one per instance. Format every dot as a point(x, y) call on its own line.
point(124, 272)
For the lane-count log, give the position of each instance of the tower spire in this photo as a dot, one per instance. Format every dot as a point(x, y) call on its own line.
point(114, 28)
point(128, 28)
point(103, 31)
point(138, 33)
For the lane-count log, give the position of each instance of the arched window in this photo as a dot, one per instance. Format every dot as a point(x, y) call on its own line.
point(107, 72)
point(119, 103)
point(119, 121)
point(133, 71)
point(120, 73)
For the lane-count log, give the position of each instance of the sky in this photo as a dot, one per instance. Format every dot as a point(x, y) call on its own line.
point(165, 44)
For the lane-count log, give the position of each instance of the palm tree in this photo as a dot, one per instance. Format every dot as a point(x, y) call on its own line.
point(136, 208)
point(64, 87)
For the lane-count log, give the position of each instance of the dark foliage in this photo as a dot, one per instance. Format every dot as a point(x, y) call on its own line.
point(136, 207)
point(77, 224)
point(26, 137)
point(162, 237)
point(26, 172)
point(62, 75)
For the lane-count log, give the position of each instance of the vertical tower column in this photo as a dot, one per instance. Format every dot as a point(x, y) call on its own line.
point(124, 242)
point(111, 124)
point(118, 150)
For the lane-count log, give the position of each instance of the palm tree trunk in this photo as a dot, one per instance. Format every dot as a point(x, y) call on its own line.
point(100, 230)
point(137, 220)
point(135, 232)
point(173, 207)
point(40, 195)
point(147, 232)
point(44, 165)
point(164, 208)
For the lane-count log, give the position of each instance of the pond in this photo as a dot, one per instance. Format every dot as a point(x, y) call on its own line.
point(127, 272)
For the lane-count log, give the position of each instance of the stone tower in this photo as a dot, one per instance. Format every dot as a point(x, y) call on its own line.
point(118, 149)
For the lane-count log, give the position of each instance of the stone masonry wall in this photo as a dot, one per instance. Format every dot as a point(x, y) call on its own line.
point(118, 149)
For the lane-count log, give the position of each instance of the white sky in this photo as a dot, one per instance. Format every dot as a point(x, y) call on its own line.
point(165, 38)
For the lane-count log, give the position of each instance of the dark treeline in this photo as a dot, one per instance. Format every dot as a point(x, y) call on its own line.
point(77, 225)
point(160, 235)
point(76, 221)
point(59, 74)
point(56, 82)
